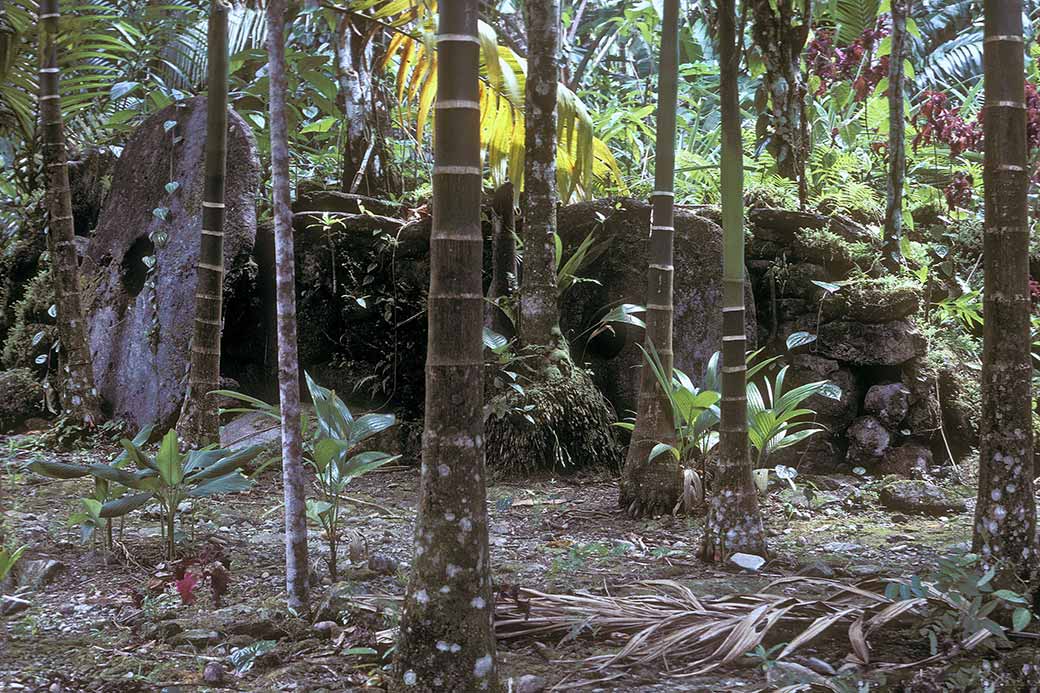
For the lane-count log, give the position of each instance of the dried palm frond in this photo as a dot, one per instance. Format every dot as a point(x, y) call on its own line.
point(691, 635)
point(666, 624)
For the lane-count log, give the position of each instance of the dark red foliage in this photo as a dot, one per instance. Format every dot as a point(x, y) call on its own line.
point(1034, 293)
point(186, 587)
point(854, 63)
point(937, 121)
point(960, 190)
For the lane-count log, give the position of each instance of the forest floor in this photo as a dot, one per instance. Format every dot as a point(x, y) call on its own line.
point(83, 631)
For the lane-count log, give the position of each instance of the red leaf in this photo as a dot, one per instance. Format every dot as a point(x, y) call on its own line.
point(186, 587)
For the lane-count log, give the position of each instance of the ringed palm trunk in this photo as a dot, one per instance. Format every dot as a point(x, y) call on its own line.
point(446, 638)
point(734, 522)
point(1005, 515)
point(293, 481)
point(200, 420)
point(654, 486)
point(892, 256)
point(539, 309)
point(80, 397)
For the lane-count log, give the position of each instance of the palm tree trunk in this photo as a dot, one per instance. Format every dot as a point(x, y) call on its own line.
point(653, 486)
point(80, 398)
point(446, 641)
point(200, 419)
point(539, 312)
point(734, 523)
point(892, 256)
point(293, 482)
point(1005, 515)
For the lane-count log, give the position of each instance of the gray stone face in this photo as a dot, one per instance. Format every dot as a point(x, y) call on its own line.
point(868, 441)
point(621, 272)
point(919, 497)
point(141, 320)
point(860, 344)
point(889, 402)
point(911, 460)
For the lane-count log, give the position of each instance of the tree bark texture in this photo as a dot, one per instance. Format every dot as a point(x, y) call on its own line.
point(734, 522)
point(503, 257)
point(199, 424)
point(446, 642)
point(293, 480)
point(654, 486)
point(892, 255)
point(1005, 516)
point(366, 161)
point(79, 397)
point(781, 37)
point(539, 309)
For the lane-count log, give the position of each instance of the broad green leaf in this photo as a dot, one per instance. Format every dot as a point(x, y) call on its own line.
point(125, 505)
point(169, 460)
point(229, 483)
point(59, 470)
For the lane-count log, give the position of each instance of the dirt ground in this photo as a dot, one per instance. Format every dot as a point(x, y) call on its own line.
point(89, 628)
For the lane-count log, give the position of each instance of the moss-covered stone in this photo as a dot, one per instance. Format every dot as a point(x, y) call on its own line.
point(22, 344)
point(21, 397)
point(824, 247)
point(560, 425)
point(874, 300)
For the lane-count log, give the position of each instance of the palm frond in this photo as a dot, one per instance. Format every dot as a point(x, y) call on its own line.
point(582, 158)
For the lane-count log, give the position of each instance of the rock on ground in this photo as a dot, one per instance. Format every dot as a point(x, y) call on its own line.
point(141, 319)
point(922, 497)
point(910, 459)
point(889, 403)
point(868, 441)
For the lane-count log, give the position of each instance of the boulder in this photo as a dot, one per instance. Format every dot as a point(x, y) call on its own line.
point(868, 441)
point(820, 453)
point(889, 403)
point(862, 344)
point(874, 300)
point(782, 225)
point(919, 497)
point(911, 460)
point(37, 574)
point(808, 368)
point(621, 277)
point(311, 204)
point(139, 273)
point(21, 398)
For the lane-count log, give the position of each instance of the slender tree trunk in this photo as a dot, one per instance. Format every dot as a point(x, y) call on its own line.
point(447, 642)
point(539, 312)
point(734, 523)
point(80, 398)
point(293, 482)
point(200, 417)
point(654, 486)
point(1005, 516)
point(366, 162)
point(503, 258)
point(892, 256)
point(780, 37)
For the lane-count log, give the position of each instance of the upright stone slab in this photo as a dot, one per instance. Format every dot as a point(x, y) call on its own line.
point(619, 275)
point(141, 317)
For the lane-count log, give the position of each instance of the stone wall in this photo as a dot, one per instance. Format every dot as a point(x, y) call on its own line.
point(823, 276)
